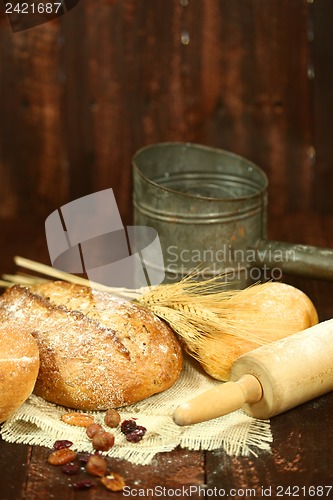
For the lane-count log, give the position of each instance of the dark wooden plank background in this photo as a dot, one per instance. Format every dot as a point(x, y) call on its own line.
point(80, 94)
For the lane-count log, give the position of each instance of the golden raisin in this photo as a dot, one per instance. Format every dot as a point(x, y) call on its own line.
point(61, 457)
point(113, 482)
point(96, 466)
point(103, 441)
point(79, 419)
point(94, 429)
point(112, 418)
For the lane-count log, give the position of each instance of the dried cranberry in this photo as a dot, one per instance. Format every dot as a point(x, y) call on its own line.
point(83, 458)
point(70, 469)
point(83, 485)
point(128, 426)
point(136, 435)
point(142, 430)
point(61, 444)
point(133, 437)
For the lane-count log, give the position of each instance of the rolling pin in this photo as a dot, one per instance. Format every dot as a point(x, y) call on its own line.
point(271, 379)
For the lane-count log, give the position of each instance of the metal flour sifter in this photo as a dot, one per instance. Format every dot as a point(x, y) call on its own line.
point(209, 207)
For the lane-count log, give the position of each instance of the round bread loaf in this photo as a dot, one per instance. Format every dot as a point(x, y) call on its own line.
point(274, 311)
point(19, 365)
point(97, 351)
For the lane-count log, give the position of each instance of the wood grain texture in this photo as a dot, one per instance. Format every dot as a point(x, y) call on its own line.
point(297, 458)
point(323, 103)
point(80, 94)
point(32, 155)
point(169, 471)
point(16, 460)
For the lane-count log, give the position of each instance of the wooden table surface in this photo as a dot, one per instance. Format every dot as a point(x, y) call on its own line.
point(300, 461)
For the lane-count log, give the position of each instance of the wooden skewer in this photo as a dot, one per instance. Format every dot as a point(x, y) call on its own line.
point(63, 275)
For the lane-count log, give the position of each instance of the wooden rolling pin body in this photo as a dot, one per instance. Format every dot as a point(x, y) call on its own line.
point(290, 372)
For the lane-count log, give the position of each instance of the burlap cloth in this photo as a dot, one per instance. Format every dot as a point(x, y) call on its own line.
point(38, 422)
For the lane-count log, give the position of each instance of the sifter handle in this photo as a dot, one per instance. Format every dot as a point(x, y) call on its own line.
point(296, 259)
point(225, 398)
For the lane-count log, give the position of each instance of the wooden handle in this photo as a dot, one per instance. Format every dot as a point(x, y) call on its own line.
point(219, 401)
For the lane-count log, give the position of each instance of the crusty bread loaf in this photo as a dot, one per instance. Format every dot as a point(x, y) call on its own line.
point(277, 310)
point(97, 351)
point(19, 365)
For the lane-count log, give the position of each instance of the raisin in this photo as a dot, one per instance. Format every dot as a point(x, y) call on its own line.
point(128, 426)
point(136, 435)
point(96, 466)
point(112, 418)
point(83, 458)
point(103, 441)
point(83, 485)
point(64, 443)
point(133, 432)
point(94, 429)
point(70, 469)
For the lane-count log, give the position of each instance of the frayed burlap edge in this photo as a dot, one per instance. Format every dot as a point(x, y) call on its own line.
point(38, 422)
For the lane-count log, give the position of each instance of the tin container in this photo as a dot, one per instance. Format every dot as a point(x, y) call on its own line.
point(209, 207)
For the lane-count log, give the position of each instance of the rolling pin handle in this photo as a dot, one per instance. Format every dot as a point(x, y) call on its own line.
point(225, 398)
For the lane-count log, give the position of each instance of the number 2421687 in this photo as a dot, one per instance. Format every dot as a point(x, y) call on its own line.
point(33, 8)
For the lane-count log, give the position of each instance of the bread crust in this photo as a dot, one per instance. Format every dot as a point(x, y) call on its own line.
point(19, 365)
point(97, 351)
point(289, 310)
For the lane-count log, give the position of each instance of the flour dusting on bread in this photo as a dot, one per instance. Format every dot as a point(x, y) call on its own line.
point(19, 365)
point(97, 351)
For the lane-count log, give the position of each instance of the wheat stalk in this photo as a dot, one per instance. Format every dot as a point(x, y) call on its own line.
point(215, 324)
point(210, 310)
